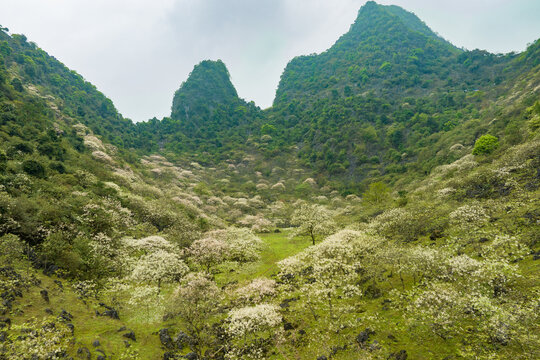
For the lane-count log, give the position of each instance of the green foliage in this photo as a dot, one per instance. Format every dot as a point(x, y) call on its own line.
point(377, 193)
point(17, 85)
point(60, 248)
point(452, 265)
point(34, 168)
point(11, 248)
point(485, 144)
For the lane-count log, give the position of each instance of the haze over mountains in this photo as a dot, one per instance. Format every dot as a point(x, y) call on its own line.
point(385, 207)
point(155, 37)
point(385, 81)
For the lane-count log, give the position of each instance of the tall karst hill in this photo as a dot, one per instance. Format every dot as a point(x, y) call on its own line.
point(208, 118)
point(390, 52)
point(376, 106)
point(208, 86)
point(373, 106)
point(29, 70)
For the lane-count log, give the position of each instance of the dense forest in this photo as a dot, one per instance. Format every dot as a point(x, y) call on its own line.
point(385, 207)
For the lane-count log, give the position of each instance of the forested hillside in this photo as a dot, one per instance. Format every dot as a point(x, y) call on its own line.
point(385, 207)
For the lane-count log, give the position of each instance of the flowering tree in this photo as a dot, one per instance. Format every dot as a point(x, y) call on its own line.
point(153, 260)
point(196, 302)
point(230, 244)
point(326, 271)
point(209, 251)
point(246, 325)
point(257, 290)
point(244, 246)
point(312, 220)
point(159, 266)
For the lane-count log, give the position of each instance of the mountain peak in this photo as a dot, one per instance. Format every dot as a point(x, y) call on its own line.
point(388, 17)
point(208, 85)
point(382, 44)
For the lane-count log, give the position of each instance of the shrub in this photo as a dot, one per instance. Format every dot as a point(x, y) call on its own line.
point(58, 166)
point(403, 224)
point(376, 193)
point(485, 144)
point(11, 248)
point(33, 168)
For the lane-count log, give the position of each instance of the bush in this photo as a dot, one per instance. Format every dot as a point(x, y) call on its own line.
point(19, 148)
point(407, 224)
point(17, 85)
point(11, 248)
point(33, 168)
point(58, 166)
point(485, 144)
point(376, 193)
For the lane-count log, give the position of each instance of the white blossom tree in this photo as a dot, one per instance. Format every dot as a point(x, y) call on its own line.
point(312, 220)
point(196, 302)
point(159, 266)
point(231, 244)
point(246, 325)
point(209, 251)
point(153, 260)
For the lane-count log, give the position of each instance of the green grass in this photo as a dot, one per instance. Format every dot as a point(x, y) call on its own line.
point(90, 327)
point(277, 246)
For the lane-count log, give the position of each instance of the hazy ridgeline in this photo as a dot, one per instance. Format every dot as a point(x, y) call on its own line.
point(385, 207)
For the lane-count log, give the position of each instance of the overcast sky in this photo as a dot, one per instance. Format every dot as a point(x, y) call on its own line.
point(138, 52)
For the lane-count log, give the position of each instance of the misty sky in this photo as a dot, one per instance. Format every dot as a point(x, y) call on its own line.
point(139, 52)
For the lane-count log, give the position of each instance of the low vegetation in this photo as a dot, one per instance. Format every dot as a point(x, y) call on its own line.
point(366, 215)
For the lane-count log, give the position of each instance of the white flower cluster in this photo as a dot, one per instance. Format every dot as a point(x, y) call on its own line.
point(153, 259)
point(150, 243)
point(103, 245)
point(232, 244)
point(44, 340)
point(258, 223)
point(469, 215)
point(108, 213)
point(446, 192)
point(102, 156)
point(465, 163)
point(252, 319)
point(257, 290)
point(507, 247)
point(460, 266)
point(159, 266)
point(346, 247)
point(328, 271)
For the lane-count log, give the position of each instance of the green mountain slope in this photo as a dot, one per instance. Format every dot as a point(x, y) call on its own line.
point(208, 119)
point(371, 106)
point(76, 97)
point(386, 207)
point(387, 50)
point(207, 87)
